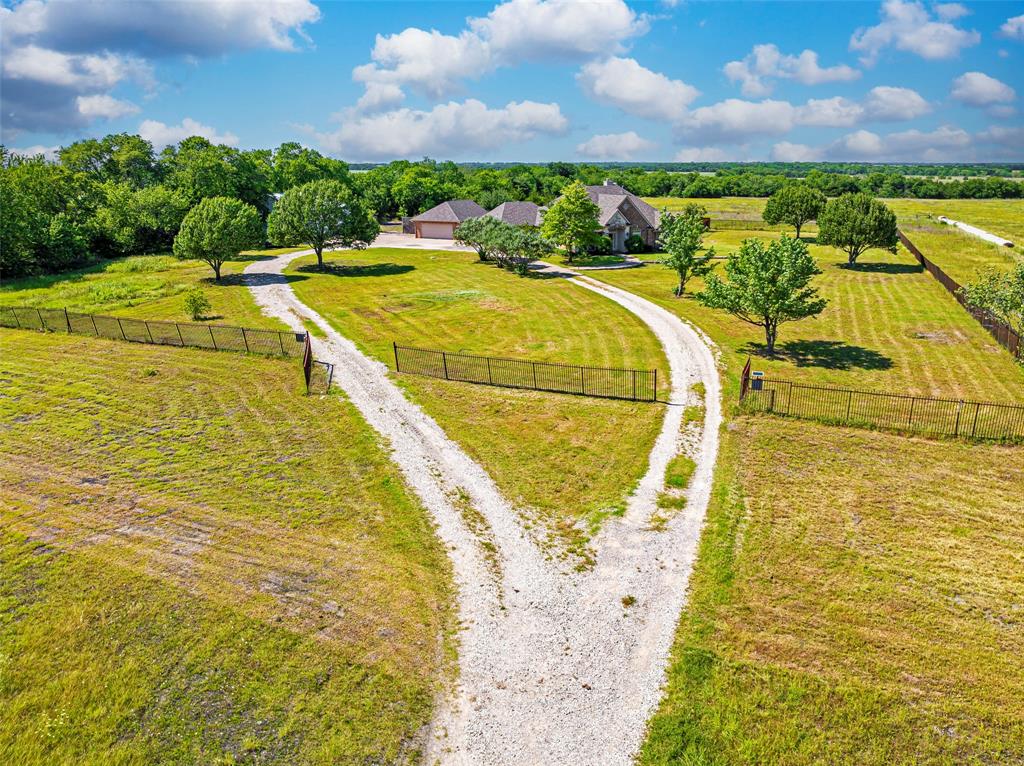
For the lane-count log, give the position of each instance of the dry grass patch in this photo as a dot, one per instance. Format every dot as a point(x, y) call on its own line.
point(199, 564)
point(857, 599)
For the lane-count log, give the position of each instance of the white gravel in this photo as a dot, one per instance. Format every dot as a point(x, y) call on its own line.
point(553, 668)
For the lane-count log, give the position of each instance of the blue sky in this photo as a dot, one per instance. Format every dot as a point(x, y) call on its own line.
point(529, 80)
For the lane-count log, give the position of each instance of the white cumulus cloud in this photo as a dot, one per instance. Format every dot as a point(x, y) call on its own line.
point(887, 103)
point(447, 130)
point(785, 151)
point(615, 146)
point(636, 90)
point(435, 64)
point(160, 134)
point(1013, 28)
point(766, 62)
point(106, 107)
point(702, 154)
point(908, 26)
point(978, 89)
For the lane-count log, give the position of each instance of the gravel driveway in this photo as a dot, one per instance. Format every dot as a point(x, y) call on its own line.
point(554, 669)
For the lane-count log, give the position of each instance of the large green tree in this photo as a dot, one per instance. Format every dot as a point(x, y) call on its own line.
point(1001, 293)
point(767, 285)
point(571, 221)
point(855, 223)
point(480, 234)
point(681, 236)
point(217, 230)
point(321, 214)
point(795, 204)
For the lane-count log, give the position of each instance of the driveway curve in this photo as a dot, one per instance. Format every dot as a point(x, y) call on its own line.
point(554, 667)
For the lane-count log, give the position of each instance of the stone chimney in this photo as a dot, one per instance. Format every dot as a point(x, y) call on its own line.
point(607, 182)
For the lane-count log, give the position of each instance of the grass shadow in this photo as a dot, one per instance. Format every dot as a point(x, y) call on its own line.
point(828, 354)
point(883, 268)
point(338, 269)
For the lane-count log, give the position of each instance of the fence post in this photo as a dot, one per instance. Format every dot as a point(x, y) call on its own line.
point(246, 340)
point(280, 341)
point(583, 382)
point(180, 339)
point(634, 385)
point(974, 427)
point(444, 361)
point(849, 406)
point(121, 328)
point(534, 374)
point(67, 319)
point(956, 427)
point(212, 339)
point(149, 332)
point(95, 331)
point(910, 417)
point(16, 319)
point(42, 324)
point(654, 393)
point(490, 380)
point(394, 347)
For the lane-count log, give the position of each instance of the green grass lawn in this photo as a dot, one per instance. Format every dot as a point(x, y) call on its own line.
point(565, 458)
point(856, 599)
point(146, 287)
point(888, 326)
point(198, 564)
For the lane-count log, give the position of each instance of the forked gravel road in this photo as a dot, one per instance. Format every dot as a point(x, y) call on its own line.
point(553, 668)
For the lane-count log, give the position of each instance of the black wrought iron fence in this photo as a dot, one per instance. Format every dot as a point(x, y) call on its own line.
point(902, 412)
point(610, 383)
point(216, 337)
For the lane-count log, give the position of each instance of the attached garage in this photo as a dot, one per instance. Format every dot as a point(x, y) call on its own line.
point(435, 230)
point(441, 221)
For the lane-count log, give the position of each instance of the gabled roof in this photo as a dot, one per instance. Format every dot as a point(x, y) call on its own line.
point(517, 213)
point(452, 211)
point(610, 196)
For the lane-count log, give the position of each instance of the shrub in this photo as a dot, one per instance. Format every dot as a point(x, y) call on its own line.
point(196, 303)
point(635, 244)
point(602, 246)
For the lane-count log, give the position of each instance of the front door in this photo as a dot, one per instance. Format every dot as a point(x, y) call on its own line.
point(618, 240)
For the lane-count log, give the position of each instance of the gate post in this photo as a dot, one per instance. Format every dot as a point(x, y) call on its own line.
point(394, 347)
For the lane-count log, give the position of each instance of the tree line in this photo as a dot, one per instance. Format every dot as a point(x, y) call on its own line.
point(103, 198)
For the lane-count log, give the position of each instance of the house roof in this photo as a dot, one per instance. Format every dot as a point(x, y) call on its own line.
point(517, 213)
point(610, 196)
point(452, 211)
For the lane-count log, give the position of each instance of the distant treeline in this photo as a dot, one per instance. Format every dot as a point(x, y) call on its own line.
point(787, 169)
point(114, 196)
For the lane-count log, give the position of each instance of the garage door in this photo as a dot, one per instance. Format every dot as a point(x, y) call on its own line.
point(436, 230)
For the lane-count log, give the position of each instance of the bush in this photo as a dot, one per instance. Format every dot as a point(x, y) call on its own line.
point(602, 246)
point(196, 303)
point(635, 244)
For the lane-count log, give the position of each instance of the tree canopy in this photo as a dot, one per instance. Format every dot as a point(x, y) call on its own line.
point(217, 230)
point(1000, 293)
point(795, 204)
point(855, 223)
point(321, 214)
point(682, 239)
point(768, 284)
point(571, 221)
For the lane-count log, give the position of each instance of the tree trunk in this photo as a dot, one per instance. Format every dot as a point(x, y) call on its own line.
point(319, 257)
point(771, 331)
point(798, 230)
point(216, 270)
point(681, 290)
point(853, 255)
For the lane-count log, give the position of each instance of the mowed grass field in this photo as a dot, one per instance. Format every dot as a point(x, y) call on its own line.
point(959, 254)
point(888, 326)
point(857, 599)
point(199, 564)
point(146, 287)
point(567, 460)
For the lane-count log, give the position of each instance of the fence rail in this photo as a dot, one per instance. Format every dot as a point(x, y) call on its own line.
point(1003, 333)
point(609, 383)
point(216, 337)
point(901, 412)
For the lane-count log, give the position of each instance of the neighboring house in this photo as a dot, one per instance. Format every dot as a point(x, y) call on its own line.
point(441, 221)
point(518, 213)
point(623, 214)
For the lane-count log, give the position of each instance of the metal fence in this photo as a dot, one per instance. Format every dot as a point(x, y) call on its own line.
point(216, 337)
point(610, 383)
point(901, 412)
point(1003, 333)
